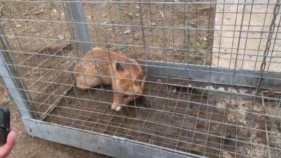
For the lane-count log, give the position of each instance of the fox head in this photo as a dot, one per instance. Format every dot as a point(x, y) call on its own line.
point(129, 83)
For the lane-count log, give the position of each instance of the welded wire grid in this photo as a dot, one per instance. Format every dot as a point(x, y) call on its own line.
point(39, 38)
point(175, 117)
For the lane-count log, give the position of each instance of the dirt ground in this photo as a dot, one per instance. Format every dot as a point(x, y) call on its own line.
point(165, 35)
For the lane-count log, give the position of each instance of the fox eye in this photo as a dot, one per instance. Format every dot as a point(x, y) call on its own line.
point(126, 96)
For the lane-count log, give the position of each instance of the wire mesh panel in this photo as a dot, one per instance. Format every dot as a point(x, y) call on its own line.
point(242, 32)
point(209, 68)
point(38, 34)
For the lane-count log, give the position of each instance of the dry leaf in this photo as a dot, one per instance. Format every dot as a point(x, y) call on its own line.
point(161, 13)
point(61, 37)
point(6, 100)
point(205, 8)
point(18, 25)
point(127, 32)
point(39, 12)
point(5, 94)
point(226, 155)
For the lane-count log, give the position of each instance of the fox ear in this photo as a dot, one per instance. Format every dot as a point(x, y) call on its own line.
point(119, 67)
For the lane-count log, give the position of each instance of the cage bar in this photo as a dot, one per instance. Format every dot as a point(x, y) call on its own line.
point(12, 88)
point(75, 10)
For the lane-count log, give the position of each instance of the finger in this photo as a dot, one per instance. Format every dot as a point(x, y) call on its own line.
point(6, 149)
point(11, 138)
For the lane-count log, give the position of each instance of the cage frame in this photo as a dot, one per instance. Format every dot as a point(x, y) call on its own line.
point(112, 145)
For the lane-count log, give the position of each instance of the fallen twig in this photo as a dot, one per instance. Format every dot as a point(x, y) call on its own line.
point(161, 14)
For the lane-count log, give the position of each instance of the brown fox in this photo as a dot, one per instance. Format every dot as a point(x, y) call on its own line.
point(101, 66)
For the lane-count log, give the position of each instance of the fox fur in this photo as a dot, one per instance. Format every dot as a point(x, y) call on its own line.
point(100, 66)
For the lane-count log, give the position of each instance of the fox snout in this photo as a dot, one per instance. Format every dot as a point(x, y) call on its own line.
point(115, 107)
point(120, 99)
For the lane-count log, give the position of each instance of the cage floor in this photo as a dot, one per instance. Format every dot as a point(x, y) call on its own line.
point(177, 119)
point(39, 69)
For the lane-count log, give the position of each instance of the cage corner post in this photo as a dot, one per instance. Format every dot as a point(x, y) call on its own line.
point(76, 14)
point(15, 94)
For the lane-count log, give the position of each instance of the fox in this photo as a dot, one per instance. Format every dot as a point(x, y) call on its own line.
point(100, 66)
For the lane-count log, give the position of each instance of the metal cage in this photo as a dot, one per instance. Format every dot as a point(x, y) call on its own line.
point(213, 75)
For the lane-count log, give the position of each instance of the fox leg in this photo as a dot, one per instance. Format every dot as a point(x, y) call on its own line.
point(86, 82)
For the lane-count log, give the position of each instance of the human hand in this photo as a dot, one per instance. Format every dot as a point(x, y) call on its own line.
point(7, 148)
